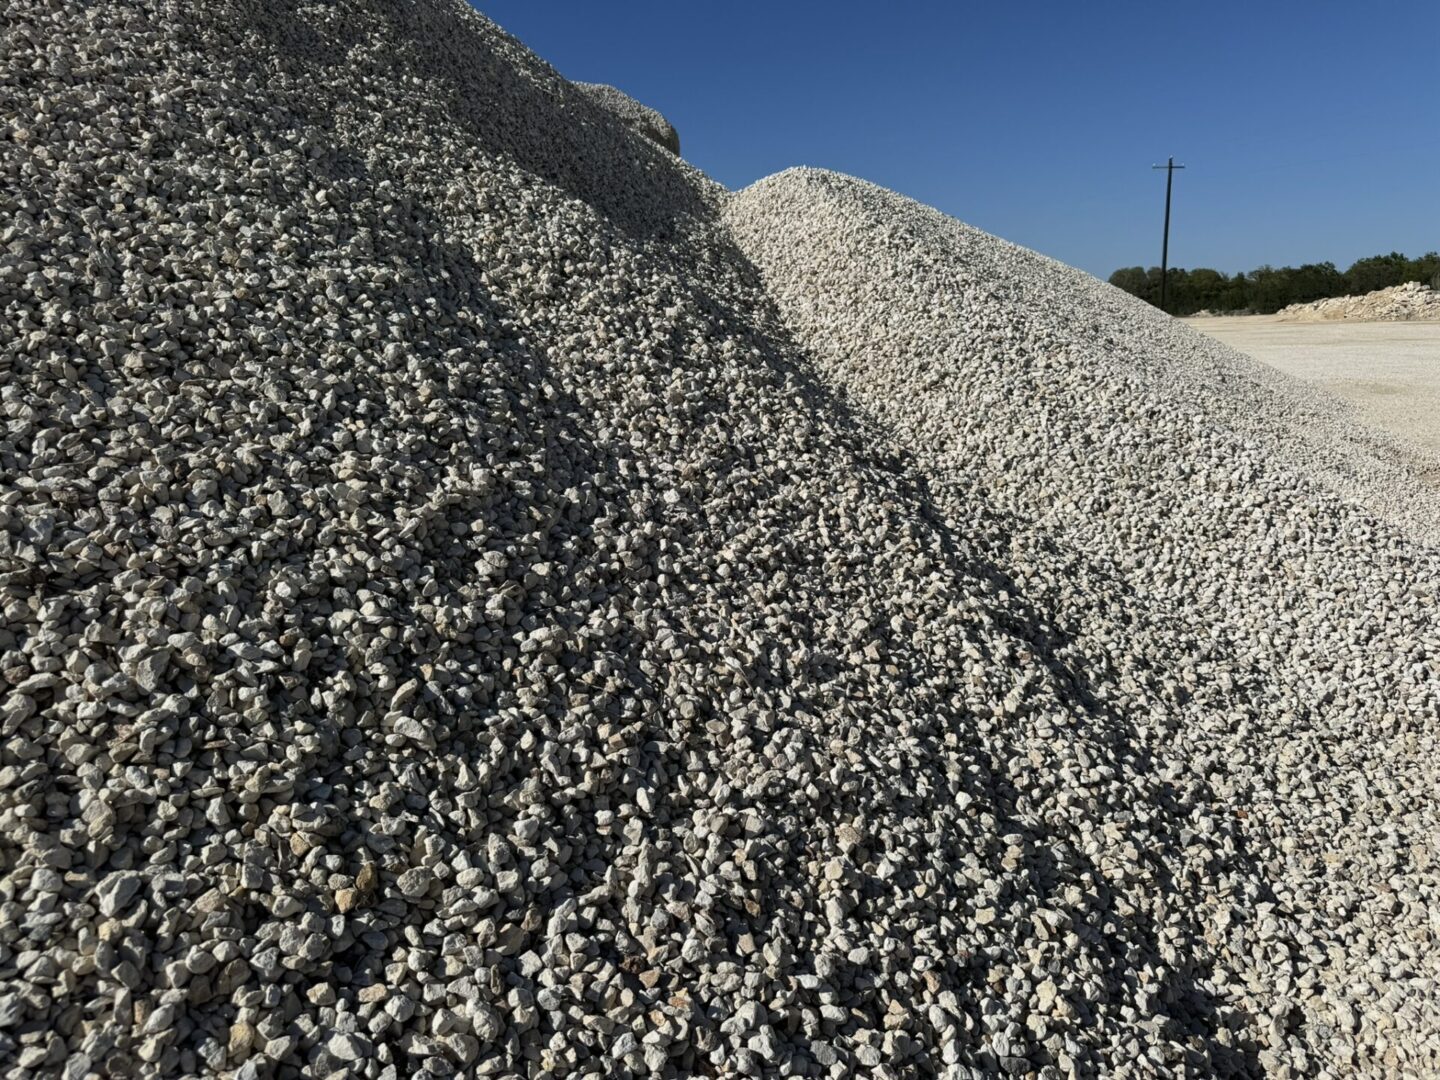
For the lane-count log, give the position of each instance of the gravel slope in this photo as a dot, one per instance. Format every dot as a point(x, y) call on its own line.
point(1041, 335)
point(455, 621)
point(640, 118)
point(1266, 639)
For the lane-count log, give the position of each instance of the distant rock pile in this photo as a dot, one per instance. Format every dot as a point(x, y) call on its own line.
point(638, 117)
point(479, 599)
point(1399, 303)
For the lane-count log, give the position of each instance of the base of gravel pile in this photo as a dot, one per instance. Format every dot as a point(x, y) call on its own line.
point(479, 600)
point(1411, 301)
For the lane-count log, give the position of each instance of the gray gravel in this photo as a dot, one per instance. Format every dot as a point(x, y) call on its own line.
point(1172, 505)
point(456, 621)
point(639, 118)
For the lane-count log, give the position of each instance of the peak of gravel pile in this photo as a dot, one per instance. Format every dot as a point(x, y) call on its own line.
point(638, 117)
point(1035, 351)
point(458, 622)
point(1410, 301)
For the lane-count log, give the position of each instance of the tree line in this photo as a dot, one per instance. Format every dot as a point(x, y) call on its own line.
point(1269, 288)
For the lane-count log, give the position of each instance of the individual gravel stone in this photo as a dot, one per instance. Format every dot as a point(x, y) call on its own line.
point(415, 882)
point(347, 1047)
point(476, 598)
point(117, 891)
point(242, 1037)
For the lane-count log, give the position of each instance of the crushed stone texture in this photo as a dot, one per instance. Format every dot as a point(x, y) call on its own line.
point(637, 117)
point(478, 599)
point(1400, 303)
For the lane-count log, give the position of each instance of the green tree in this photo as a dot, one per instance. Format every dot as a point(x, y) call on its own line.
point(1207, 290)
point(1129, 278)
point(1267, 289)
point(1315, 281)
point(1425, 269)
point(1376, 272)
point(1270, 289)
point(1236, 296)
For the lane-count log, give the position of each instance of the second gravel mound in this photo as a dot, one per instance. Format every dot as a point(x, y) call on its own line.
point(1246, 624)
point(1399, 303)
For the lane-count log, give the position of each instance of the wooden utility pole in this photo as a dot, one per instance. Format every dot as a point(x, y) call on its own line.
point(1169, 168)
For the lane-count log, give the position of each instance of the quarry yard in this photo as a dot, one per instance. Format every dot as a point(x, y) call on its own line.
point(1390, 371)
point(480, 598)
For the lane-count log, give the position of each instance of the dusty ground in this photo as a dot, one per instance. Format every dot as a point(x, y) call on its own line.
point(1390, 371)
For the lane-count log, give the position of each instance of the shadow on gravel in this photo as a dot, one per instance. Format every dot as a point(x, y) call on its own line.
point(541, 123)
point(523, 125)
point(1196, 1015)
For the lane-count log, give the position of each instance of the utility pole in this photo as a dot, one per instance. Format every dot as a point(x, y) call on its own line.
point(1169, 168)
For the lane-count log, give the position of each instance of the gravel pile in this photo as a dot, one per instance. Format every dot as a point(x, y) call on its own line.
point(457, 623)
point(1270, 652)
point(1411, 301)
point(639, 118)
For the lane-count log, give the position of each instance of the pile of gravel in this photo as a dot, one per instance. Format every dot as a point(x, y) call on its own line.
point(639, 118)
point(458, 622)
point(1412, 301)
point(890, 298)
point(1172, 505)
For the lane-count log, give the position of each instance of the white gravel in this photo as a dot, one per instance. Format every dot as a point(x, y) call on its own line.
point(460, 619)
point(1399, 303)
point(1171, 506)
point(637, 117)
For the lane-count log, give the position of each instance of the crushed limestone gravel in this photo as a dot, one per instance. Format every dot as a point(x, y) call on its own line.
point(637, 117)
point(1411, 301)
point(1250, 625)
point(458, 619)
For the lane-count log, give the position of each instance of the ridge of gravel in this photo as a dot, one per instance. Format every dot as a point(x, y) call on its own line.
point(460, 619)
point(1061, 310)
point(637, 116)
point(1200, 487)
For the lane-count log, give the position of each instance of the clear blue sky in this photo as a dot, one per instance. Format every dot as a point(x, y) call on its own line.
point(1311, 131)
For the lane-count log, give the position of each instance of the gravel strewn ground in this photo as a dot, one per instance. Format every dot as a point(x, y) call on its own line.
point(455, 625)
point(1389, 372)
